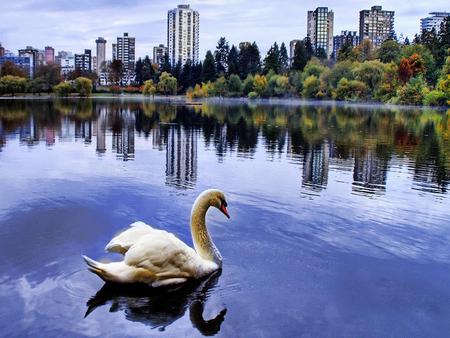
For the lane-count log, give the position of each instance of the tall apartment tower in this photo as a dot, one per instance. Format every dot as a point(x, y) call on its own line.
point(433, 21)
point(158, 54)
point(2, 50)
point(376, 25)
point(183, 25)
point(49, 55)
point(83, 62)
point(101, 53)
point(124, 50)
point(320, 29)
point(33, 54)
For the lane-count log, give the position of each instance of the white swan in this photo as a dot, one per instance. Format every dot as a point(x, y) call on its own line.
point(157, 257)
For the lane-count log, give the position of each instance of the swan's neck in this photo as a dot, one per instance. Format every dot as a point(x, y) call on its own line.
point(202, 240)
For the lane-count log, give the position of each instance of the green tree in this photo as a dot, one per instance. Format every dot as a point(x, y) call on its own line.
point(284, 59)
point(37, 86)
point(260, 85)
point(233, 61)
point(311, 87)
point(49, 75)
point(347, 52)
point(144, 70)
point(149, 88)
point(413, 92)
point(221, 87)
point(340, 70)
point(389, 51)
point(115, 71)
point(431, 71)
point(272, 60)
point(166, 66)
point(9, 68)
point(370, 72)
point(63, 89)
point(209, 68)
point(247, 85)
point(249, 59)
point(221, 56)
point(167, 84)
point(313, 67)
point(235, 85)
point(301, 57)
point(351, 90)
point(83, 86)
point(13, 84)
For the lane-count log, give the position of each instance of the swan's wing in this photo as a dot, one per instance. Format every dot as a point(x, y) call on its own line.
point(122, 242)
point(165, 257)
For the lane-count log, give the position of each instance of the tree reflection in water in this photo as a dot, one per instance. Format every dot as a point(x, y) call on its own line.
point(160, 307)
point(367, 141)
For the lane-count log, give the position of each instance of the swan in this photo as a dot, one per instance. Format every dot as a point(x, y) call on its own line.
point(158, 258)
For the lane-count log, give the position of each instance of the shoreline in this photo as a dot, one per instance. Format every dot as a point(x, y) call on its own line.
point(181, 99)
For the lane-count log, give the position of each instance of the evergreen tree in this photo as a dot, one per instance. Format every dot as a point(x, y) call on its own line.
point(249, 59)
point(209, 68)
point(233, 61)
point(166, 66)
point(272, 59)
point(320, 53)
point(309, 48)
point(176, 71)
point(300, 56)
point(185, 80)
point(221, 56)
point(138, 71)
point(197, 73)
point(284, 59)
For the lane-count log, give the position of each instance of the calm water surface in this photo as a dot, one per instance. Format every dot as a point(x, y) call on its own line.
point(339, 218)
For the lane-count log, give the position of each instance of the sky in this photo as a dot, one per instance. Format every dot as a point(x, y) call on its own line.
point(74, 25)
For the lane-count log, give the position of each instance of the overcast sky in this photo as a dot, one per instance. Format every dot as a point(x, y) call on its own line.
point(74, 25)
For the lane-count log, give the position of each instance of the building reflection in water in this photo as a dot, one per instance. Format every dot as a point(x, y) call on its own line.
point(123, 134)
point(315, 167)
point(312, 140)
point(101, 130)
point(181, 157)
point(369, 173)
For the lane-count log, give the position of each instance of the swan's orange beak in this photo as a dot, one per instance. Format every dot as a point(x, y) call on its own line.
point(224, 210)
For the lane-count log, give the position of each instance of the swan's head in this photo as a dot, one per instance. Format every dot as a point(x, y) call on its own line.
point(216, 198)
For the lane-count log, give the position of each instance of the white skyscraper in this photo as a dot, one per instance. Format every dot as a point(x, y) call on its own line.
point(183, 34)
point(320, 29)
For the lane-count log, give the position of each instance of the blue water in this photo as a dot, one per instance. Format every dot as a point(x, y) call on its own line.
point(339, 217)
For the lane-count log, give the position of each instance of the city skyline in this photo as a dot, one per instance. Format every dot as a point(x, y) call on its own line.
point(236, 20)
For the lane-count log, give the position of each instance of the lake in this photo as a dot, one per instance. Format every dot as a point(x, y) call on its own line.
point(339, 217)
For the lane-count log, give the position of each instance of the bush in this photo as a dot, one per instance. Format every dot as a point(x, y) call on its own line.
point(132, 90)
point(83, 86)
point(253, 95)
point(313, 67)
point(167, 84)
point(12, 84)
point(220, 87)
point(115, 90)
point(248, 84)
point(63, 89)
point(234, 86)
point(311, 87)
point(435, 98)
point(412, 93)
point(350, 90)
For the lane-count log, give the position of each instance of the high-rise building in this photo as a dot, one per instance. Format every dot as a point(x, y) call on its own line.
point(101, 53)
point(292, 45)
point(158, 54)
point(183, 24)
point(49, 55)
point(66, 61)
point(376, 25)
point(346, 37)
point(34, 56)
point(83, 62)
point(2, 50)
point(320, 29)
point(433, 21)
point(94, 64)
point(124, 50)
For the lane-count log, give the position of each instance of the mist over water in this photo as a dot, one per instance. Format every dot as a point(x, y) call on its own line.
point(339, 217)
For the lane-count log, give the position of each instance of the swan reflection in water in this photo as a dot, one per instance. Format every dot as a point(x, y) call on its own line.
point(160, 307)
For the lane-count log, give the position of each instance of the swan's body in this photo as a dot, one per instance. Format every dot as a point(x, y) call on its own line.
point(157, 257)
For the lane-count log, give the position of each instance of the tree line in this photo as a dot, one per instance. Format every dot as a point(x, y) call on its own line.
point(416, 72)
